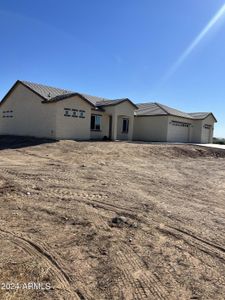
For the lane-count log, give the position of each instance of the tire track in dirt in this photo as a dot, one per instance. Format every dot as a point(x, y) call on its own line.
point(144, 283)
point(41, 252)
point(89, 199)
point(206, 246)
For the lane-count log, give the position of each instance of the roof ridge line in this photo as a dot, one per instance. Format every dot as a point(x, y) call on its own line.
point(160, 106)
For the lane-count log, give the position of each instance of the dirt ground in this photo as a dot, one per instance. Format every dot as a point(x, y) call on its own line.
point(111, 220)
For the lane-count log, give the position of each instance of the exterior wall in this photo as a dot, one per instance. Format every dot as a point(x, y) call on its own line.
point(151, 128)
point(126, 110)
point(179, 133)
point(30, 116)
point(199, 132)
point(160, 129)
point(120, 134)
point(104, 131)
point(71, 127)
point(208, 121)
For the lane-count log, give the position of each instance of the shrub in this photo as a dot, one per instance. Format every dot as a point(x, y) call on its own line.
point(219, 141)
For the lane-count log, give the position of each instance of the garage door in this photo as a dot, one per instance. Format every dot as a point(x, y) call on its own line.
point(206, 134)
point(178, 132)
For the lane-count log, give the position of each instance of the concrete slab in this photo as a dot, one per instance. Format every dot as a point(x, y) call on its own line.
point(215, 146)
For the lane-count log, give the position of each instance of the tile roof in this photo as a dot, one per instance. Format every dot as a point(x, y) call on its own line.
point(110, 102)
point(45, 91)
point(153, 109)
point(94, 100)
point(174, 112)
point(51, 94)
point(199, 115)
point(149, 109)
point(156, 109)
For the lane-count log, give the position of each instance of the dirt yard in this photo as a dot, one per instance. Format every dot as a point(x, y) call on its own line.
point(111, 220)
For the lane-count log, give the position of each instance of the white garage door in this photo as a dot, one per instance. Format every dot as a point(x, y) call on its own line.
point(206, 134)
point(178, 132)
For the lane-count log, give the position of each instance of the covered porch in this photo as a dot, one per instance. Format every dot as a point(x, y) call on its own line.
point(114, 121)
point(120, 127)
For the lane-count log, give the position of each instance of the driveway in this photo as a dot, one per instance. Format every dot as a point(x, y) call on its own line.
point(215, 146)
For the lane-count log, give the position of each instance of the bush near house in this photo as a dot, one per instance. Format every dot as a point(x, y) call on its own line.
point(219, 141)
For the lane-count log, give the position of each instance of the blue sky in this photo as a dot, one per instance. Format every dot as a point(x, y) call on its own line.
point(119, 48)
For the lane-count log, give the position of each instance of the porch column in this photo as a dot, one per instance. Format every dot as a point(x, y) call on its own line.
point(131, 127)
point(114, 127)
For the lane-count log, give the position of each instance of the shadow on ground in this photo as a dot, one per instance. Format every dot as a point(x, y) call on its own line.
point(15, 142)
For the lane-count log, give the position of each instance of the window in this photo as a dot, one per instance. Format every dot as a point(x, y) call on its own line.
point(75, 113)
point(81, 113)
point(96, 122)
point(181, 124)
point(67, 112)
point(125, 126)
point(7, 114)
point(72, 112)
point(206, 126)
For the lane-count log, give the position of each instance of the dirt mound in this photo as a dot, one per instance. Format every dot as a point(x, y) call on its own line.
point(196, 152)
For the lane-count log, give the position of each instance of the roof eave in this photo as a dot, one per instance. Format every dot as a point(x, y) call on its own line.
point(36, 93)
point(54, 100)
point(119, 102)
point(209, 114)
point(157, 115)
point(13, 88)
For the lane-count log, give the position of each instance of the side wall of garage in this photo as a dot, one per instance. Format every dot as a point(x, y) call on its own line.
point(24, 114)
point(150, 128)
point(203, 130)
point(207, 129)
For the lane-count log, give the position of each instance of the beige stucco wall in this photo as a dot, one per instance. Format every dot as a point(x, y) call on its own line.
point(198, 131)
point(119, 111)
point(33, 118)
point(30, 116)
point(208, 121)
point(70, 127)
point(150, 128)
point(159, 129)
point(120, 134)
point(98, 135)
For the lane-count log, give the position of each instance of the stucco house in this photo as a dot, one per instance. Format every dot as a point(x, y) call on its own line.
point(37, 110)
point(31, 109)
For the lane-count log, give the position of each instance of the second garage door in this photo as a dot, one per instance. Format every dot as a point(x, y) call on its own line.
point(178, 132)
point(206, 134)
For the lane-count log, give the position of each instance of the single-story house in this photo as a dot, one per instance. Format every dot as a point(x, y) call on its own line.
point(160, 123)
point(30, 109)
